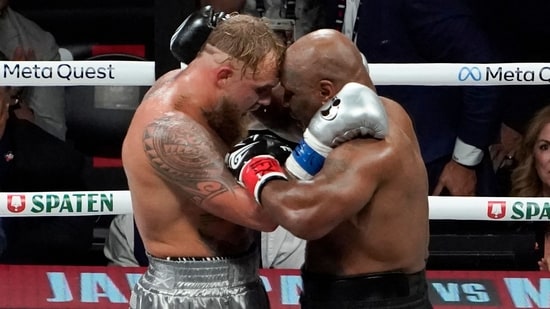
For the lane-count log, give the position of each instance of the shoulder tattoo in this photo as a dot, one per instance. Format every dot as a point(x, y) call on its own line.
point(183, 153)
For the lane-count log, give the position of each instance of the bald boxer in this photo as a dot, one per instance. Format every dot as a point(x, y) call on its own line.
point(195, 220)
point(364, 212)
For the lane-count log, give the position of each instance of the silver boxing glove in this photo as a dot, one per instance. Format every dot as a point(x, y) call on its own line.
point(354, 111)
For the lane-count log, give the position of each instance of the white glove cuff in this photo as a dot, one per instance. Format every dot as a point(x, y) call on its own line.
point(296, 170)
point(265, 179)
point(466, 154)
point(315, 144)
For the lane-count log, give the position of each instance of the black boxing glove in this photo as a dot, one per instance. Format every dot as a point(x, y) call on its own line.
point(193, 32)
point(257, 160)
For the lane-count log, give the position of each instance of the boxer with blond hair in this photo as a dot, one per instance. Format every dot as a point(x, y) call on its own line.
point(196, 222)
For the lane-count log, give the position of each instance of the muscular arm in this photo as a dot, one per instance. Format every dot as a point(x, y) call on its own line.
point(185, 155)
point(310, 209)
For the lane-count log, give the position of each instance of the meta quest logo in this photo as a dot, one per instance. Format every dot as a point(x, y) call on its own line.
point(473, 73)
point(501, 74)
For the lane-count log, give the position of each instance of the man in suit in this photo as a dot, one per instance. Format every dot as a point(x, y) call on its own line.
point(455, 125)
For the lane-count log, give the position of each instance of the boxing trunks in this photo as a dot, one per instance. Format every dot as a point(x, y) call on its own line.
point(210, 282)
point(379, 290)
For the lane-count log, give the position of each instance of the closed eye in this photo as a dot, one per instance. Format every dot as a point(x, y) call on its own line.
point(263, 90)
point(288, 95)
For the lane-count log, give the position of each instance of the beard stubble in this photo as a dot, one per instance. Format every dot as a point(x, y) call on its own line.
point(228, 122)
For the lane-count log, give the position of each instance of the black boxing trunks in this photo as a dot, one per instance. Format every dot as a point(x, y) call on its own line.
point(210, 282)
point(378, 290)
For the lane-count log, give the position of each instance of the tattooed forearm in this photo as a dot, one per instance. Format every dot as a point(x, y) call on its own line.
point(184, 154)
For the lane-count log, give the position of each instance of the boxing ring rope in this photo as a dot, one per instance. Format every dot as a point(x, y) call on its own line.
point(94, 203)
point(142, 73)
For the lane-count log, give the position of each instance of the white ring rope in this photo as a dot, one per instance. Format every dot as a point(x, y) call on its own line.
point(77, 73)
point(142, 73)
point(94, 203)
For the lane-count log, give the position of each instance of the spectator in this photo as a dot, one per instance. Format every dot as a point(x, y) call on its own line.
point(123, 245)
point(5, 102)
point(503, 156)
point(517, 28)
point(39, 158)
point(40, 162)
point(531, 177)
point(5, 99)
point(22, 39)
point(455, 125)
point(306, 15)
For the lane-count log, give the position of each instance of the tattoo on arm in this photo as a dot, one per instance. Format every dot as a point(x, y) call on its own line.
point(182, 152)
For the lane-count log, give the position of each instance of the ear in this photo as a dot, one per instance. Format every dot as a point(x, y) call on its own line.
point(223, 75)
point(326, 90)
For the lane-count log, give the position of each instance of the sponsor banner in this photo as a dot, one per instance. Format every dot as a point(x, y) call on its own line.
point(489, 208)
point(79, 203)
point(142, 73)
point(73, 73)
point(65, 203)
point(60, 287)
point(460, 74)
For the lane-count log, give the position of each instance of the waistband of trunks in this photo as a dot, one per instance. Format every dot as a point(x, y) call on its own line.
point(253, 248)
point(375, 286)
point(231, 270)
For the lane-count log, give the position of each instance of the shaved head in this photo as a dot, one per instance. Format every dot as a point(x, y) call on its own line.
point(316, 67)
point(325, 54)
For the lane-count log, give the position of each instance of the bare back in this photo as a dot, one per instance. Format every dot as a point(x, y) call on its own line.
point(390, 232)
point(179, 186)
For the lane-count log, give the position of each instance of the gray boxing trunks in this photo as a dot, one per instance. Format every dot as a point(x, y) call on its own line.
point(379, 290)
point(213, 283)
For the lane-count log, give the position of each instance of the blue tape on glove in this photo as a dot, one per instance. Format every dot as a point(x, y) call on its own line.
point(310, 160)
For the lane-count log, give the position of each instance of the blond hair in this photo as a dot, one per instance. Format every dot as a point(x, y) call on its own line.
point(525, 180)
point(249, 40)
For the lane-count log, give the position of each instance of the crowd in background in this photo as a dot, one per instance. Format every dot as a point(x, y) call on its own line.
point(483, 141)
point(34, 148)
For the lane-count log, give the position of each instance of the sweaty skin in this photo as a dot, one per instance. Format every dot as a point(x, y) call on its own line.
point(366, 211)
point(185, 202)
